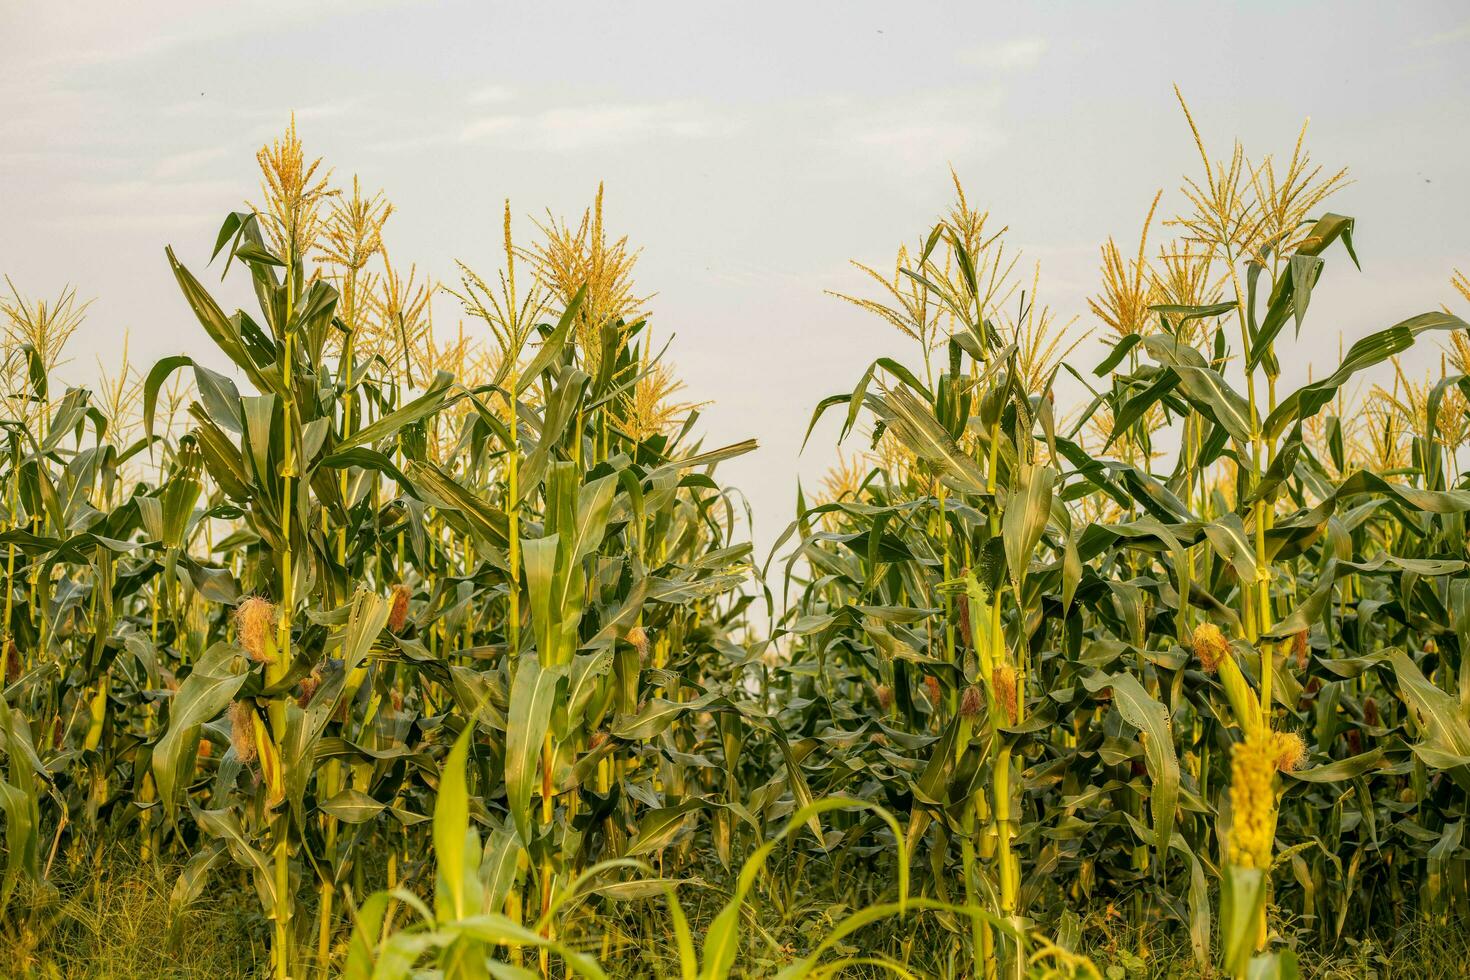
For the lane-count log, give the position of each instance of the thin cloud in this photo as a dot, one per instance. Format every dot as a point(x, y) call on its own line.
point(1461, 33)
point(489, 127)
point(151, 204)
point(491, 94)
point(909, 134)
point(187, 163)
point(600, 125)
point(1016, 54)
point(580, 127)
point(120, 33)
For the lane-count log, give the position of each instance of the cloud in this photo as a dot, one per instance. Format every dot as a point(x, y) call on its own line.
point(1455, 35)
point(491, 94)
point(187, 163)
point(269, 124)
point(569, 128)
point(1017, 54)
point(487, 128)
point(919, 133)
point(601, 125)
point(149, 205)
point(60, 40)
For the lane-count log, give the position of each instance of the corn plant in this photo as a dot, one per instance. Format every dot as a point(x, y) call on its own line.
point(1132, 638)
point(447, 646)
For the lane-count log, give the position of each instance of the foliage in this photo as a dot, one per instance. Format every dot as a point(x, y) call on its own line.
point(449, 657)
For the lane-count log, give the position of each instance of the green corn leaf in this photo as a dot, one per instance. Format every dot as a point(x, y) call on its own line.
point(205, 693)
point(1373, 349)
point(550, 349)
point(225, 333)
point(431, 401)
point(532, 695)
point(1156, 731)
point(1026, 514)
point(1206, 390)
point(1446, 742)
point(1294, 290)
point(352, 806)
point(452, 833)
point(913, 422)
point(658, 828)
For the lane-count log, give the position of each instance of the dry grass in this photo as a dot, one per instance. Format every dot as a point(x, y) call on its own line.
point(111, 920)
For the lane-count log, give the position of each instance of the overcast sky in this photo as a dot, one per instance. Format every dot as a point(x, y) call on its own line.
point(751, 149)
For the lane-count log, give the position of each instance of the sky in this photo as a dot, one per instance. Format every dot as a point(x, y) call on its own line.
point(751, 150)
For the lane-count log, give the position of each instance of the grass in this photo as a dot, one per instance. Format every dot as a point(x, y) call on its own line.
point(114, 924)
point(111, 919)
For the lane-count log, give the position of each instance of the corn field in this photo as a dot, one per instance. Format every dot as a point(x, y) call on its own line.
point(447, 656)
